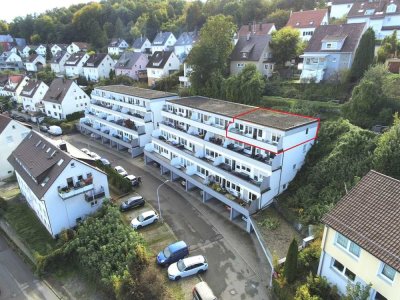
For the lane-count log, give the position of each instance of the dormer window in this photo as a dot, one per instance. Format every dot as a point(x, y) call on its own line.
point(391, 8)
point(311, 22)
point(244, 54)
point(328, 45)
point(369, 12)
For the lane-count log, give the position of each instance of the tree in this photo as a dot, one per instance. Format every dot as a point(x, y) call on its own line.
point(119, 29)
point(279, 17)
point(364, 56)
point(387, 152)
point(35, 39)
point(4, 29)
point(285, 45)
point(48, 53)
point(290, 269)
point(357, 291)
point(389, 48)
point(210, 54)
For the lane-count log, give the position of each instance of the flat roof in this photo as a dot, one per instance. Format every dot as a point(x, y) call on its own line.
point(135, 91)
point(263, 117)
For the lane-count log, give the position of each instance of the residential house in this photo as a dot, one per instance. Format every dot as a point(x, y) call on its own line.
point(98, 66)
point(11, 135)
point(74, 64)
point(63, 98)
point(117, 46)
point(340, 8)
point(184, 44)
point(255, 29)
point(234, 153)
point(161, 64)
point(124, 116)
point(142, 44)
point(14, 86)
point(308, 21)
point(361, 238)
point(383, 16)
point(131, 64)
point(20, 42)
point(58, 61)
point(163, 41)
point(35, 63)
point(58, 181)
point(330, 51)
point(10, 61)
point(57, 47)
point(184, 81)
point(25, 50)
point(78, 47)
point(6, 42)
point(32, 95)
point(252, 49)
point(41, 50)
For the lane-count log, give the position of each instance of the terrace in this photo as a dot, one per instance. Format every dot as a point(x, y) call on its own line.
point(71, 190)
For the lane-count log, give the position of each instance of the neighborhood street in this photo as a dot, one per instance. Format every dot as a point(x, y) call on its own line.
point(17, 280)
point(235, 268)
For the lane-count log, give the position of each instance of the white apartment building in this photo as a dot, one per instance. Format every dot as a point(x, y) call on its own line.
point(58, 182)
point(244, 170)
point(63, 98)
point(32, 95)
point(124, 117)
point(74, 64)
point(11, 135)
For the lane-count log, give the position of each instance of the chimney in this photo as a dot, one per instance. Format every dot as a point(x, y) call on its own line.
point(63, 146)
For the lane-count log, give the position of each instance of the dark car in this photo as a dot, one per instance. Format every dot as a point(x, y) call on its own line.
point(136, 201)
point(173, 253)
point(43, 128)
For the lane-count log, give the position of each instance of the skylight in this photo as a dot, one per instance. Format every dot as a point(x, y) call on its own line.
point(45, 181)
point(60, 162)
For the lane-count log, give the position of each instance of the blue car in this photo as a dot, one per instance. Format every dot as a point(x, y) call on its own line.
point(173, 253)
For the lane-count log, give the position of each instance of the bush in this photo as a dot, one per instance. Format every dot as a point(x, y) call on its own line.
point(75, 116)
point(290, 268)
point(270, 223)
point(68, 127)
point(116, 180)
point(309, 257)
point(3, 206)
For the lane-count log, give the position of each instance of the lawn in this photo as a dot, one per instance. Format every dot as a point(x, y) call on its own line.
point(9, 191)
point(31, 231)
point(277, 233)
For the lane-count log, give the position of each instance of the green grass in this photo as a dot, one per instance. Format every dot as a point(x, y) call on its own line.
point(25, 222)
point(9, 193)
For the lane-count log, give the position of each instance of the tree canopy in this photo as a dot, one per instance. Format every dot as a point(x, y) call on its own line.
point(285, 45)
point(364, 56)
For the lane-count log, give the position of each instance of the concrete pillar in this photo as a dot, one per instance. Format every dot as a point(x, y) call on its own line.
point(174, 176)
point(249, 228)
point(206, 196)
point(189, 186)
point(163, 169)
point(234, 214)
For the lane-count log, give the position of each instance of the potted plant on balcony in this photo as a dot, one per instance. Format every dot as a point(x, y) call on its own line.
point(88, 181)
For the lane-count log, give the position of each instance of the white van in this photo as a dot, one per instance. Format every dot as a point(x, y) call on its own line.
point(55, 130)
point(202, 291)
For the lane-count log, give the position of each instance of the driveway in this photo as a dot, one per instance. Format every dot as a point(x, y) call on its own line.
point(235, 268)
point(16, 278)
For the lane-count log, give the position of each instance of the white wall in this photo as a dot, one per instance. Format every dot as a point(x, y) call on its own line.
point(101, 72)
point(340, 10)
point(75, 71)
point(29, 102)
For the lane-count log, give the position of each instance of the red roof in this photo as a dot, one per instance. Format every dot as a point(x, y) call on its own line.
point(15, 78)
point(307, 18)
point(255, 29)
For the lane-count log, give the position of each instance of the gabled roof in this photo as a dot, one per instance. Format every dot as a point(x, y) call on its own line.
point(95, 60)
point(255, 29)
point(75, 58)
point(82, 45)
point(116, 42)
point(369, 214)
point(6, 38)
point(128, 60)
point(57, 90)
point(353, 33)
point(4, 121)
point(13, 82)
point(161, 38)
point(32, 57)
point(187, 38)
point(138, 43)
point(58, 56)
point(159, 59)
point(253, 46)
point(31, 87)
point(307, 18)
point(376, 9)
point(338, 2)
point(21, 42)
point(38, 159)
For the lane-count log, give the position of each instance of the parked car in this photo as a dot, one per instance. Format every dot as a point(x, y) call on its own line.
point(86, 151)
point(133, 179)
point(144, 219)
point(202, 291)
point(188, 266)
point(94, 155)
point(105, 162)
point(132, 202)
point(43, 128)
point(120, 170)
point(55, 130)
point(172, 253)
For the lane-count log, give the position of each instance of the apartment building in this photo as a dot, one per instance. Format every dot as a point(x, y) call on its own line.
point(361, 238)
point(124, 117)
point(58, 182)
point(238, 158)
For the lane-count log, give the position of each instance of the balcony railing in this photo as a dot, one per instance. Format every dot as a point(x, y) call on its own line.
point(80, 187)
point(94, 195)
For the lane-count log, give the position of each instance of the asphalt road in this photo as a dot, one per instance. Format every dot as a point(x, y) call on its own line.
point(16, 278)
point(236, 270)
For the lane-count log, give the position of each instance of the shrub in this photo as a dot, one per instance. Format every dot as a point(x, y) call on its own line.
point(309, 257)
point(75, 116)
point(290, 269)
point(3, 206)
point(270, 223)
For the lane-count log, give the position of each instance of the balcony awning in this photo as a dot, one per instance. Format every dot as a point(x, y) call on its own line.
point(313, 55)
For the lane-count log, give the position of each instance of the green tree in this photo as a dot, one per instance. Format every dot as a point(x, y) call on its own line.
point(210, 54)
point(279, 17)
point(290, 269)
point(364, 56)
point(285, 45)
point(194, 17)
point(119, 30)
point(48, 53)
point(389, 48)
point(357, 291)
point(35, 39)
point(4, 29)
point(387, 152)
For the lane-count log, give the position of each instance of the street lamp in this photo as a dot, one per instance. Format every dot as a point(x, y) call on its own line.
point(158, 197)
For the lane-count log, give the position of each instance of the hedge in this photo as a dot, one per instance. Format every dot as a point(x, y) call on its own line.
point(116, 180)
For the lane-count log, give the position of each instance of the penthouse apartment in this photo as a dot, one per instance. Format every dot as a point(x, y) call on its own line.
point(238, 161)
point(124, 117)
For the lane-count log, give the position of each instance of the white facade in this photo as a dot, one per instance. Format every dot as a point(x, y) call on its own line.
point(307, 32)
point(59, 67)
point(101, 71)
point(25, 51)
point(379, 24)
point(184, 80)
point(73, 70)
point(156, 73)
point(10, 138)
point(195, 141)
point(118, 47)
point(36, 64)
point(41, 50)
point(75, 100)
point(109, 111)
point(32, 101)
point(13, 57)
point(340, 10)
point(145, 45)
point(73, 48)
point(55, 48)
point(165, 45)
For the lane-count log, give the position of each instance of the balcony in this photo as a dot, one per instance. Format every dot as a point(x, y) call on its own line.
point(119, 124)
point(94, 195)
point(113, 101)
point(80, 187)
point(120, 112)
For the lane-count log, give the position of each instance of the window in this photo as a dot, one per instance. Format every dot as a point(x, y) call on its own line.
point(240, 65)
point(294, 167)
point(338, 266)
point(388, 272)
point(307, 131)
point(343, 270)
point(348, 245)
point(378, 296)
point(304, 148)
